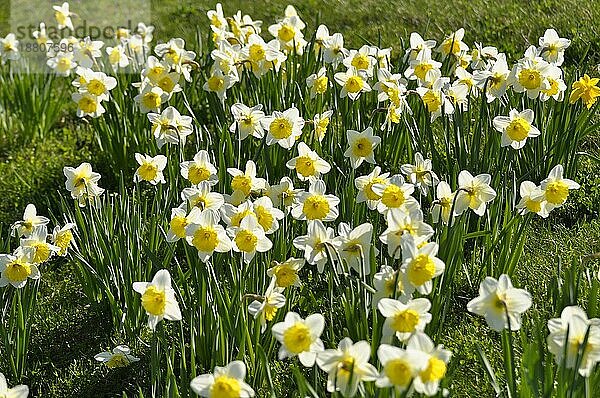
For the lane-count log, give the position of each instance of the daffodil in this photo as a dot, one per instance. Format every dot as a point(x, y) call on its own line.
point(30, 221)
point(246, 181)
point(300, 337)
point(88, 105)
point(529, 76)
point(20, 391)
point(353, 82)
point(158, 299)
point(320, 123)
point(9, 48)
point(334, 51)
point(347, 366)
point(120, 357)
point(532, 200)
point(500, 303)
point(117, 57)
point(180, 219)
point(216, 16)
point(262, 56)
point(557, 85)
point(404, 319)
point(420, 174)
point(226, 381)
point(219, 83)
point(365, 183)
point(556, 188)
point(428, 380)
point(308, 164)
point(316, 204)
point(434, 99)
point(416, 45)
point(552, 47)
point(267, 216)
point(62, 237)
point(573, 329)
point(62, 14)
point(473, 193)
point(199, 169)
point(201, 197)
point(150, 169)
point(395, 195)
point(249, 238)
point(233, 215)
point(390, 283)
point(442, 206)
point(150, 98)
point(354, 246)
point(170, 127)
point(37, 241)
point(247, 121)
point(175, 54)
point(82, 183)
point(453, 44)
point(144, 31)
point(400, 366)
point(422, 67)
point(585, 89)
point(266, 307)
point(361, 59)
point(495, 80)
point(16, 268)
point(283, 128)
point(420, 263)
point(318, 83)
point(315, 244)
point(285, 274)
point(361, 146)
point(483, 57)
point(289, 34)
point(206, 234)
point(516, 128)
point(399, 224)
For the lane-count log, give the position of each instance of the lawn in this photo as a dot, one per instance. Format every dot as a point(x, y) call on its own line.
point(68, 329)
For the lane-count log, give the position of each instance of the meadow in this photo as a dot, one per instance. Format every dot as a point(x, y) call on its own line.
point(278, 209)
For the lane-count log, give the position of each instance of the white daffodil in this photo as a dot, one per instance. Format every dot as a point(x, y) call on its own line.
point(9, 48)
point(62, 63)
point(246, 181)
point(289, 34)
point(361, 146)
point(529, 76)
point(201, 197)
point(552, 47)
point(117, 57)
point(266, 308)
point(38, 243)
point(16, 268)
point(20, 391)
point(150, 98)
point(353, 82)
point(354, 246)
point(233, 215)
point(420, 174)
point(98, 84)
point(318, 83)
point(404, 319)
point(120, 357)
point(308, 164)
point(442, 206)
point(532, 200)
point(62, 14)
point(180, 219)
point(428, 380)
point(316, 204)
point(347, 366)
point(286, 274)
point(473, 192)
point(226, 381)
point(434, 99)
point(86, 51)
point(453, 43)
point(395, 196)
point(420, 264)
point(150, 169)
point(495, 80)
point(334, 51)
point(62, 237)
point(249, 238)
point(365, 183)
point(82, 183)
point(199, 169)
point(158, 299)
point(267, 216)
point(87, 105)
point(556, 188)
point(314, 244)
point(500, 303)
point(283, 128)
point(482, 57)
point(30, 220)
point(400, 366)
point(390, 283)
point(283, 195)
point(571, 329)
point(399, 224)
point(516, 128)
point(320, 123)
point(422, 67)
point(300, 337)
point(361, 59)
point(207, 235)
point(247, 121)
point(170, 127)
point(417, 45)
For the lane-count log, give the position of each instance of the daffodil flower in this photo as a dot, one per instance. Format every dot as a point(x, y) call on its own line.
point(308, 164)
point(428, 380)
point(404, 319)
point(158, 299)
point(226, 381)
point(516, 128)
point(120, 357)
point(300, 337)
point(400, 366)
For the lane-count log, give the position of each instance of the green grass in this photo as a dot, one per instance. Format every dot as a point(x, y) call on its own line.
point(67, 333)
